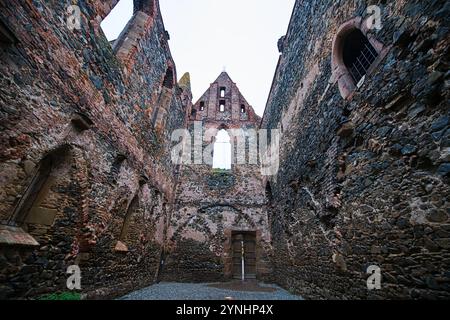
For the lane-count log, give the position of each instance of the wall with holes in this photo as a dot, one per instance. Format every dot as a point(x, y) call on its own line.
point(104, 204)
point(364, 167)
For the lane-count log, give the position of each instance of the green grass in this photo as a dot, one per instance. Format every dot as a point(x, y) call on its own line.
point(61, 296)
point(220, 171)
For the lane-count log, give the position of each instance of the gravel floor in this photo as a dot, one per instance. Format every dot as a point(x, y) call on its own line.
point(188, 291)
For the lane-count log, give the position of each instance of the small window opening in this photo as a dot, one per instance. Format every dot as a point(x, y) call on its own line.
point(116, 167)
point(132, 208)
point(222, 92)
point(168, 78)
point(202, 105)
point(116, 21)
point(243, 109)
point(222, 106)
point(32, 207)
point(358, 55)
point(6, 36)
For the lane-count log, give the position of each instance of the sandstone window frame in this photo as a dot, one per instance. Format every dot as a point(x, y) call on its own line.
point(222, 106)
point(146, 6)
point(169, 78)
point(340, 73)
point(164, 99)
point(133, 207)
point(38, 188)
point(127, 43)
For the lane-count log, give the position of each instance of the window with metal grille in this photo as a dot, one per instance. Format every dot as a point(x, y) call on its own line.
point(358, 54)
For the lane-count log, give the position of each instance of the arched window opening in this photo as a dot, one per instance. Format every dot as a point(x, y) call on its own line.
point(358, 54)
point(116, 21)
point(34, 206)
point(222, 151)
point(116, 167)
point(132, 208)
point(168, 78)
point(222, 92)
point(354, 56)
point(202, 105)
point(222, 105)
point(243, 109)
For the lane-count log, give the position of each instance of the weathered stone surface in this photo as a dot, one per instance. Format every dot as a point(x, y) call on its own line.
point(390, 173)
point(68, 89)
point(211, 203)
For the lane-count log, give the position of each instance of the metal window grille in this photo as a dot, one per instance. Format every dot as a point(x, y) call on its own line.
point(363, 62)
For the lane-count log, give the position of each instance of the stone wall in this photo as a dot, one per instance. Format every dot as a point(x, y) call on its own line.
point(210, 203)
point(363, 180)
point(103, 116)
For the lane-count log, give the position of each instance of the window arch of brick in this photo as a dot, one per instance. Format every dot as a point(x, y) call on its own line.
point(169, 78)
point(164, 99)
point(141, 21)
point(354, 35)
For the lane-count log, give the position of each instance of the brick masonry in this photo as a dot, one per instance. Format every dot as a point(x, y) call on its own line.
point(113, 152)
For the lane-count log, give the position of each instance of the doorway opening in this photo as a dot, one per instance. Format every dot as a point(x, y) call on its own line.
point(244, 255)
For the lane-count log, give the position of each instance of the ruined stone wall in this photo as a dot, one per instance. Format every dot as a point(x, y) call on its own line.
point(364, 180)
point(211, 204)
point(108, 110)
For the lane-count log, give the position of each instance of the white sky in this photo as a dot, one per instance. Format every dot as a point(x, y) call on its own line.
point(208, 36)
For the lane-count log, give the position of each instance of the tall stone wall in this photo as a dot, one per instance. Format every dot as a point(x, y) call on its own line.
point(363, 180)
point(101, 114)
point(212, 204)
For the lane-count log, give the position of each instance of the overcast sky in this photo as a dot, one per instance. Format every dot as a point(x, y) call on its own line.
point(209, 36)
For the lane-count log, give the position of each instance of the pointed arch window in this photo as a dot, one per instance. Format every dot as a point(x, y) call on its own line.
point(132, 208)
point(355, 55)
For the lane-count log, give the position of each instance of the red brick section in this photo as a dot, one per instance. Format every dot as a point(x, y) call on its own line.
point(211, 204)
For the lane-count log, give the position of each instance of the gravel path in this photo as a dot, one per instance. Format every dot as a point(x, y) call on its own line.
point(188, 291)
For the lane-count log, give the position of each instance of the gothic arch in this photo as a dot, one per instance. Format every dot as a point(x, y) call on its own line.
point(341, 72)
